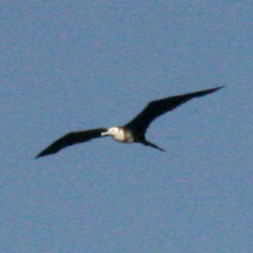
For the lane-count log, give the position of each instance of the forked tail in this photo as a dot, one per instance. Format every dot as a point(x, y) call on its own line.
point(150, 144)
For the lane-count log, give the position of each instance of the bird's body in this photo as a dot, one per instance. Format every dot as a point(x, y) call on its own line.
point(121, 134)
point(132, 132)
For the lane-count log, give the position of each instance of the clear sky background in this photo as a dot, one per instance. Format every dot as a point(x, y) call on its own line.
point(71, 65)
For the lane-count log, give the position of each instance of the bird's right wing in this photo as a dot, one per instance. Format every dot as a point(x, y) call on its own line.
point(156, 108)
point(70, 139)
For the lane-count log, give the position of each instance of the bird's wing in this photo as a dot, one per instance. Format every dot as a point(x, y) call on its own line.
point(156, 108)
point(70, 139)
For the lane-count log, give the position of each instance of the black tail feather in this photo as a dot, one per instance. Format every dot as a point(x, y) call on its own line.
point(150, 144)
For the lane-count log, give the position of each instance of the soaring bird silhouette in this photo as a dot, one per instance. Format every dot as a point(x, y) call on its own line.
point(134, 130)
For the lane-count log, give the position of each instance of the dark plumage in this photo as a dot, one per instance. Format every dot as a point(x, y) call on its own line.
point(70, 139)
point(156, 108)
point(133, 131)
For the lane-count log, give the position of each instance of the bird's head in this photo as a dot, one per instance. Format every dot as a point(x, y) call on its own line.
point(112, 131)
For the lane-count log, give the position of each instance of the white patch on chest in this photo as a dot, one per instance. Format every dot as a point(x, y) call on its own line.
point(122, 135)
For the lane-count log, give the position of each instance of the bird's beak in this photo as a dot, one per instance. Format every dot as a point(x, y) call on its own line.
point(105, 133)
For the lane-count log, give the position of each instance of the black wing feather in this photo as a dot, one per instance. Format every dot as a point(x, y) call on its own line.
point(70, 139)
point(156, 108)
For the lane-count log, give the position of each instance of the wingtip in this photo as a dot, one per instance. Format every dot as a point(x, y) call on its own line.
point(38, 156)
point(217, 88)
point(41, 154)
point(214, 89)
point(220, 87)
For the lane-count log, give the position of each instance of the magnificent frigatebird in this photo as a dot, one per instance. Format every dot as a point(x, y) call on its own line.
point(134, 130)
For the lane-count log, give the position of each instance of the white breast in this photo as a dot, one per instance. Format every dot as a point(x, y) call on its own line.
point(123, 135)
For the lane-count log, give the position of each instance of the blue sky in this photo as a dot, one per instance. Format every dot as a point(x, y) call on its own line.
point(70, 65)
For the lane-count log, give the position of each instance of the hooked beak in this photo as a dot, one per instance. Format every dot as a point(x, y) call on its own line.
point(105, 133)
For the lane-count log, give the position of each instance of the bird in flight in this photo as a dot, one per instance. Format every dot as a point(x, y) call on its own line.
point(132, 132)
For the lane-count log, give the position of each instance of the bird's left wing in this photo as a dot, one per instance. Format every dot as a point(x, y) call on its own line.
point(70, 139)
point(156, 108)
